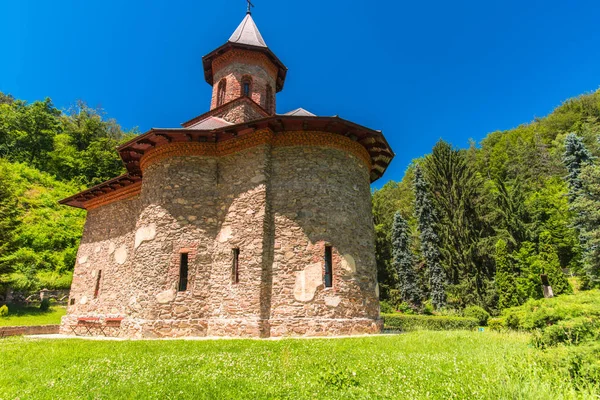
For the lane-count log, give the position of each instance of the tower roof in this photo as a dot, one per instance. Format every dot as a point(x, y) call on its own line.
point(247, 37)
point(247, 33)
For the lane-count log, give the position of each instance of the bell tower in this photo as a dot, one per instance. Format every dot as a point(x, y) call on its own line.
point(244, 69)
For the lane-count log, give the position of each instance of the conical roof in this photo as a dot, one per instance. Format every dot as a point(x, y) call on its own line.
point(247, 33)
point(246, 37)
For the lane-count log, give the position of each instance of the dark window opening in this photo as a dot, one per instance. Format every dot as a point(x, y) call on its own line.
point(235, 268)
point(71, 302)
point(183, 272)
point(328, 267)
point(221, 89)
point(97, 288)
point(246, 83)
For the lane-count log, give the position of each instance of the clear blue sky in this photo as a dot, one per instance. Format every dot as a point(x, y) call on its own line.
point(419, 71)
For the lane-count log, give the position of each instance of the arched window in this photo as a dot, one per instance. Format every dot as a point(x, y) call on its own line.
point(269, 99)
point(221, 89)
point(246, 86)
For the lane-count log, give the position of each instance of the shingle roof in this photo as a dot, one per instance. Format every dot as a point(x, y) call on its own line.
point(247, 33)
point(301, 112)
point(209, 124)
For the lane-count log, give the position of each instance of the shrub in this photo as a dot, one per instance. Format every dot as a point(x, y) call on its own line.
point(45, 305)
point(4, 311)
point(496, 324)
point(406, 323)
point(512, 321)
point(571, 332)
point(428, 308)
point(478, 313)
point(385, 307)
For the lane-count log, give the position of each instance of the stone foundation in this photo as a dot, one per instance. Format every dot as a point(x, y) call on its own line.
point(241, 327)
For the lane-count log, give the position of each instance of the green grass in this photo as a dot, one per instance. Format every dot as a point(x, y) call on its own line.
point(439, 365)
point(27, 316)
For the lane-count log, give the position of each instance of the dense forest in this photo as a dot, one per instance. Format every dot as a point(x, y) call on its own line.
point(45, 155)
point(479, 226)
point(475, 226)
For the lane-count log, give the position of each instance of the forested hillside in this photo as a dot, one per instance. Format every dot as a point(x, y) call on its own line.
point(473, 226)
point(46, 155)
point(497, 215)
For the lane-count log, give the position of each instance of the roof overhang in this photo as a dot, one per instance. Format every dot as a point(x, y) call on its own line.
point(133, 151)
point(207, 61)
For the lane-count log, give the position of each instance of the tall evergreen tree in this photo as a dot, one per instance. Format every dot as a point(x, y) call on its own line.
point(506, 282)
point(587, 208)
point(575, 157)
point(403, 261)
point(551, 266)
point(454, 189)
point(425, 213)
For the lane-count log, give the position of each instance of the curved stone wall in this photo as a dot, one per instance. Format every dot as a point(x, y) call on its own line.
point(278, 200)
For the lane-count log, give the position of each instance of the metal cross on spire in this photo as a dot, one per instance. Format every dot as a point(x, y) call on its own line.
point(249, 11)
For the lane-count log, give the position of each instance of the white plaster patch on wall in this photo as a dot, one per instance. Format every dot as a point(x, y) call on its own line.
point(145, 234)
point(333, 301)
point(166, 297)
point(83, 300)
point(111, 248)
point(348, 263)
point(377, 290)
point(97, 249)
point(225, 234)
point(121, 255)
point(82, 259)
point(307, 282)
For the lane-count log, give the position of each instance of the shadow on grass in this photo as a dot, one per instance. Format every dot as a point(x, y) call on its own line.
point(21, 310)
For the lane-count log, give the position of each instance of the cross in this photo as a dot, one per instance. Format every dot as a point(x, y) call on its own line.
point(249, 5)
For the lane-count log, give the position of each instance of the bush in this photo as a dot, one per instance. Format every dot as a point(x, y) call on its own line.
point(385, 307)
point(496, 324)
point(571, 332)
point(45, 305)
point(513, 322)
point(478, 313)
point(4, 311)
point(407, 323)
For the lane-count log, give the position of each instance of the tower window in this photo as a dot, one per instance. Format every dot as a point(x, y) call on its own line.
point(221, 89)
point(235, 267)
point(328, 267)
point(97, 288)
point(183, 272)
point(269, 99)
point(246, 86)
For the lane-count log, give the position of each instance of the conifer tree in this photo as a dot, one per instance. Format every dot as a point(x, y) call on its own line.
point(575, 157)
point(425, 214)
point(403, 261)
point(506, 282)
point(578, 159)
point(551, 266)
point(587, 208)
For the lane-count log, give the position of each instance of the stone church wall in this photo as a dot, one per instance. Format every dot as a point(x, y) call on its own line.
point(279, 205)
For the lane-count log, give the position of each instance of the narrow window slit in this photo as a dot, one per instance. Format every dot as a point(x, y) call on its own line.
point(183, 272)
point(97, 288)
point(235, 268)
point(328, 267)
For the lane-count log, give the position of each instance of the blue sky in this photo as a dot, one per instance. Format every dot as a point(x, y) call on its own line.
point(419, 71)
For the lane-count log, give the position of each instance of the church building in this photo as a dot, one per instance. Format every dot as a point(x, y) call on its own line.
point(243, 222)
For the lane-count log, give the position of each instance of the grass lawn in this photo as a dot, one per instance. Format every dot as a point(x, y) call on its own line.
point(416, 365)
point(26, 316)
